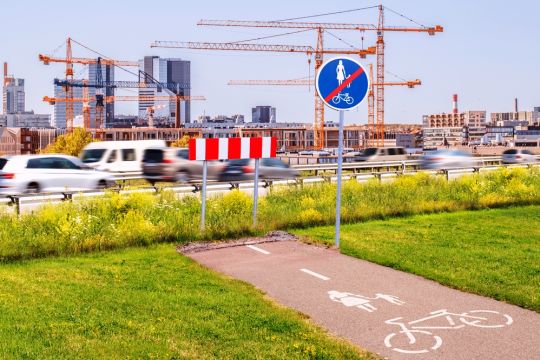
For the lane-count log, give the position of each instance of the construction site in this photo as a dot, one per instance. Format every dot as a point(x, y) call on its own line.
point(89, 92)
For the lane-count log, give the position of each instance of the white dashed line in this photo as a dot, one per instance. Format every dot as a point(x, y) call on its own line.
point(312, 273)
point(258, 249)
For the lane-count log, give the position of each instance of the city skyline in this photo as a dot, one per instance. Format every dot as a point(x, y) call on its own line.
point(474, 57)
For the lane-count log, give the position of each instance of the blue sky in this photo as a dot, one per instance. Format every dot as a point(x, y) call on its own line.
point(488, 54)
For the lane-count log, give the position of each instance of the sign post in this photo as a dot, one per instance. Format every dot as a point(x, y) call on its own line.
point(203, 194)
point(255, 192)
point(342, 84)
point(230, 149)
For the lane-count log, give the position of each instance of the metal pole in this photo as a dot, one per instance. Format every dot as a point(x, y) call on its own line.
point(255, 192)
point(339, 169)
point(203, 194)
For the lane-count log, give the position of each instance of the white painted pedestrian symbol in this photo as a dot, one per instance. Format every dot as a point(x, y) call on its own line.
point(361, 301)
point(413, 337)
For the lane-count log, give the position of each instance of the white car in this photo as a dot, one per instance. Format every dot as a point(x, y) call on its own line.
point(448, 159)
point(517, 156)
point(30, 174)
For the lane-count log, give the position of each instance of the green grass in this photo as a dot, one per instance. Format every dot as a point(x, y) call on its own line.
point(117, 221)
point(147, 303)
point(494, 253)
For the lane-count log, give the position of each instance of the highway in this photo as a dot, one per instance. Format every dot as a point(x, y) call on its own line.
point(361, 171)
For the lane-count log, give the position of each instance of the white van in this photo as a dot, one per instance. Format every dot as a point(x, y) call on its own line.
point(117, 156)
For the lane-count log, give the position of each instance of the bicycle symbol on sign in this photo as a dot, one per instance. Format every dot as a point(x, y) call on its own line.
point(345, 97)
point(414, 335)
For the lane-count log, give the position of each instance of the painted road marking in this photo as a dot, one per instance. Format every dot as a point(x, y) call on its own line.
point(361, 301)
point(312, 273)
point(410, 332)
point(258, 249)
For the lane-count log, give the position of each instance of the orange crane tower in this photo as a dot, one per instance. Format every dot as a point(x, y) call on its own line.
point(381, 28)
point(319, 51)
point(69, 60)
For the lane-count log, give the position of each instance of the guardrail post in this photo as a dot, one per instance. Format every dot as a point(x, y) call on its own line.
point(15, 200)
point(403, 167)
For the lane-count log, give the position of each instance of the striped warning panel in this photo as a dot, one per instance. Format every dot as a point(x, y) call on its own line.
point(232, 148)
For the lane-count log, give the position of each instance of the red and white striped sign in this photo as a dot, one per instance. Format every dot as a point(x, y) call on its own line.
point(232, 148)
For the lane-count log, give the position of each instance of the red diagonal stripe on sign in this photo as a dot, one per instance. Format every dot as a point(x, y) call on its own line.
point(347, 81)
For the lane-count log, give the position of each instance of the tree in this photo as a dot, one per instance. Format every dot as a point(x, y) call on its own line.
point(71, 143)
point(183, 142)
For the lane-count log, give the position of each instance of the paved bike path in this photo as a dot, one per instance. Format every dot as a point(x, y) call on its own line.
point(354, 299)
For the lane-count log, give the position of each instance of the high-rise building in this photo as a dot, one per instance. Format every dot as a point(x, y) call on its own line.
point(263, 114)
point(166, 71)
point(59, 115)
point(107, 74)
point(13, 100)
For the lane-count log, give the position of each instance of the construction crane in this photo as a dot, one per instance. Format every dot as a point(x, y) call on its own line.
point(319, 51)
point(47, 59)
point(380, 28)
point(310, 82)
point(102, 100)
point(150, 113)
point(303, 81)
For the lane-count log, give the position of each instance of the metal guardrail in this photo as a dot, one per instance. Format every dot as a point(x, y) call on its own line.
point(379, 165)
point(396, 169)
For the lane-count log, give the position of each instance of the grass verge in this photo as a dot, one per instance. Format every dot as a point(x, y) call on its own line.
point(117, 221)
point(494, 253)
point(147, 303)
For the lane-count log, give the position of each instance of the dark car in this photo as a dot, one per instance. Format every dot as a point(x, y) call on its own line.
point(244, 169)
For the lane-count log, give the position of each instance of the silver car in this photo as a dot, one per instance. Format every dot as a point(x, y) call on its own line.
point(49, 173)
point(518, 156)
point(448, 159)
point(169, 164)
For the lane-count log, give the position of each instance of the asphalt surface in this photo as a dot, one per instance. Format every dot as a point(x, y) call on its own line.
point(355, 299)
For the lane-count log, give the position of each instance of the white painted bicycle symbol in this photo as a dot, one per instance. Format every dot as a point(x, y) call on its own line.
point(414, 339)
point(345, 97)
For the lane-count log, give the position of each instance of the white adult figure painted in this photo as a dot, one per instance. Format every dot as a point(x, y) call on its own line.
point(340, 71)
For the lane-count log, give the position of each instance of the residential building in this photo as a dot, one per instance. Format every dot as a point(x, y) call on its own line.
point(171, 71)
point(263, 114)
point(26, 120)
point(530, 117)
point(467, 118)
point(435, 137)
point(13, 96)
point(407, 141)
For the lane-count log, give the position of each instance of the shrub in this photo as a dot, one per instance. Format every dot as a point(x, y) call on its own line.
point(114, 220)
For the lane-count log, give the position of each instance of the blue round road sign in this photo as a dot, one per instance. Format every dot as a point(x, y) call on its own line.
point(342, 83)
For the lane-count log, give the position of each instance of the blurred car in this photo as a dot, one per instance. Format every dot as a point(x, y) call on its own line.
point(517, 156)
point(166, 164)
point(448, 159)
point(49, 173)
point(117, 156)
point(382, 154)
point(269, 169)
